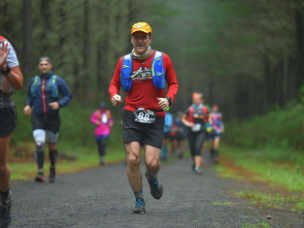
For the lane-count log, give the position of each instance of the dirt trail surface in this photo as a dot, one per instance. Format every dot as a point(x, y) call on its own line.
point(101, 197)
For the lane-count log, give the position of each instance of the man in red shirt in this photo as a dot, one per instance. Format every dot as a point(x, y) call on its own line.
point(142, 74)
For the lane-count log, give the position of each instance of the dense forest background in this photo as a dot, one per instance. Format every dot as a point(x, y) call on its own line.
point(247, 56)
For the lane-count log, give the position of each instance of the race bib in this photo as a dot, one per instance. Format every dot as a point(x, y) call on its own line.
point(196, 127)
point(142, 115)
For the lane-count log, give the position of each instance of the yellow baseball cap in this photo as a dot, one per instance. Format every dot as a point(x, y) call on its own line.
point(141, 26)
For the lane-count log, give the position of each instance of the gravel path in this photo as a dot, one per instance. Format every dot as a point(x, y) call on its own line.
point(101, 197)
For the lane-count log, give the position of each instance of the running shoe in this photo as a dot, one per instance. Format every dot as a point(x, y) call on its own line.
point(39, 177)
point(216, 160)
point(5, 210)
point(139, 207)
point(102, 162)
point(197, 171)
point(156, 188)
point(203, 162)
point(52, 175)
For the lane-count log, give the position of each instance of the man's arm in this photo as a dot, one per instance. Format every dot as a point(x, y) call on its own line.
point(64, 90)
point(115, 85)
point(8, 59)
point(29, 100)
point(170, 77)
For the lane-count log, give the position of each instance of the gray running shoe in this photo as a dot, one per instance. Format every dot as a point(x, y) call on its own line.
point(5, 210)
point(39, 177)
point(156, 188)
point(139, 207)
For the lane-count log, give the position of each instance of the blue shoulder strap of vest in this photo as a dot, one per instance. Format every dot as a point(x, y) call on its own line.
point(54, 76)
point(126, 72)
point(157, 69)
point(37, 80)
point(127, 63)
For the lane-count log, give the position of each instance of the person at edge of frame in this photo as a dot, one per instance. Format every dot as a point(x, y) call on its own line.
point(11, 80)
point(143, 74)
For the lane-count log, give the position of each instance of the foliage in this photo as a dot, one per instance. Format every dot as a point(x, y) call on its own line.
point(279, 129)
point(245, 55)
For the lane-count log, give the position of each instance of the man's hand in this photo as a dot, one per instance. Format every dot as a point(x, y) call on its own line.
point(54, 105)
point(3, 54)
point(116, 100)
point(163, 103)
point(27, 110)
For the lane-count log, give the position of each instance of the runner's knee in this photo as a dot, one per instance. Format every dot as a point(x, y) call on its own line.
point(39, 136)
point(3, 167)
point(39, 145)
point(133, 160)
point(52, 147)
point(153, 164)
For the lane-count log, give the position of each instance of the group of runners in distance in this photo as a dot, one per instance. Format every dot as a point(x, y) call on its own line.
point(143, 75)
point(201, 123)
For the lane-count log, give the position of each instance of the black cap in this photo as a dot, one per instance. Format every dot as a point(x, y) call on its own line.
point(45, 58)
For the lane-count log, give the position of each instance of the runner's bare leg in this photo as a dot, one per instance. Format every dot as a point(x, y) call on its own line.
point(133, 170)
point(5, 172)
point(152, 162)
point(197, 160)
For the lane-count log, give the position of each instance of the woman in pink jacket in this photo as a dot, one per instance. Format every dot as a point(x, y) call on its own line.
point(103, 121)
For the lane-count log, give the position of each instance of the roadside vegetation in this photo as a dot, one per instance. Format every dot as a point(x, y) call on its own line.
point(268, 149)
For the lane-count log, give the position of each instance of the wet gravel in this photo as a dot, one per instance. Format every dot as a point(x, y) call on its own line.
point(101, 197)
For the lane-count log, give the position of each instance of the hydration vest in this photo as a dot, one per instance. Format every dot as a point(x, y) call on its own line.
point(157, 69)
point(51, 83)
point(192, 111)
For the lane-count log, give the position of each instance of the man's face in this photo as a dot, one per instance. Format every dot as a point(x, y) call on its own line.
point(141, 42)
point(197, 101)
point(215, 109)
point(45, 66)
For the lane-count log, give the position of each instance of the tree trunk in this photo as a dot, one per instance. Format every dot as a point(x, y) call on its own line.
point(26, 51)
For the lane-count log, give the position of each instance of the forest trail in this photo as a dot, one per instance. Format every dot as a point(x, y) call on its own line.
point(101, 197)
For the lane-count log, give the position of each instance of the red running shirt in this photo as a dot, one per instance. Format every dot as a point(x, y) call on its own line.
point(143, 93)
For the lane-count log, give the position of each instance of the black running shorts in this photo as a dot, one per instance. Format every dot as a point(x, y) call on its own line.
point(8, 121)
point(50, 123)
point(146, 134)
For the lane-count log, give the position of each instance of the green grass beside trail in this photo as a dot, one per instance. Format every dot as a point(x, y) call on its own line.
point(85, 158)
point(76, 140)
point(270, 147)
point(261, 167)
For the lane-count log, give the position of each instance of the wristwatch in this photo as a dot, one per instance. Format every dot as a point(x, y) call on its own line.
point(170, 100)
point(8, 69)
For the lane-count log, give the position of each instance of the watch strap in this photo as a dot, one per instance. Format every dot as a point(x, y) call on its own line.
point(8, 69)
point(170, 100)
